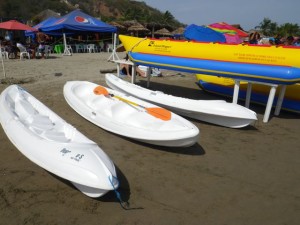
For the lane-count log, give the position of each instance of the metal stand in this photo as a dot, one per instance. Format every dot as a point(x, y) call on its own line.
point(270, 99)
point(114, 56)
point(4, 73)
point(66, 49)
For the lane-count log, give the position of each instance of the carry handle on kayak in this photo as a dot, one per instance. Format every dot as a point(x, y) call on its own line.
point(157, 112)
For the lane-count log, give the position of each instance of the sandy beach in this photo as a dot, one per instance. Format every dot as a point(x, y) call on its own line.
point(231, 176)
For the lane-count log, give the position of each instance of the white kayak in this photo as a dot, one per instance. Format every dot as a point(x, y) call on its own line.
point(217, 112)
point(126, 119)
point(53, 144)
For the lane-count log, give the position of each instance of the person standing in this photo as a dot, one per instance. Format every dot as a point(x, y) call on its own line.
point(42, 39)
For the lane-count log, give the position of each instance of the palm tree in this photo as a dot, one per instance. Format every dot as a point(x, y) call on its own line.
point(268, 27)
point(167, 18)
point(289, 29)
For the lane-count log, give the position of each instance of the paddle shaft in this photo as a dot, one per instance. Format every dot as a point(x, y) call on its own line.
point(127, 101)
point(158, 112)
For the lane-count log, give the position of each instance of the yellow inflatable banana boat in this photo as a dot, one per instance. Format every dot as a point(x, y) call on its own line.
point(270, 64)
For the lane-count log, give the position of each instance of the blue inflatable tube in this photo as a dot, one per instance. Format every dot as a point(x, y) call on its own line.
point(244, 71)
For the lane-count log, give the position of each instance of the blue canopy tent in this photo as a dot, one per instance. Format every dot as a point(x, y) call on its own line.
point(200, 33)
point(74, 23)
point(47, 21)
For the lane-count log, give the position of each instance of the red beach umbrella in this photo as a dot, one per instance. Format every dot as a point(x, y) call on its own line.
point(15, 25)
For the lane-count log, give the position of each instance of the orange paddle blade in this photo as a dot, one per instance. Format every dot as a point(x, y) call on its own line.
point(99, 90)
point(160, 113)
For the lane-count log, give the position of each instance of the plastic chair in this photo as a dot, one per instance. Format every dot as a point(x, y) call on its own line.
point(51, 50)
point(47, 51)
point(101, 46)
point(91, 48)
point(69, 47)
point(23, 52)
point(110, 47)
point(98, 48)
point(79, 48)
point(43, 53)
point(3, 53)
point(85, 48)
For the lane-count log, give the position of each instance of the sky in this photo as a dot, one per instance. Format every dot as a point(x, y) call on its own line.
point(247, 13)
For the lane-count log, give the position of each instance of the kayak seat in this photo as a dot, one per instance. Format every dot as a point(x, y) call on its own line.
point(142, 119)
point(44, 127)
point(10, 102)
point(122, 111)
point(41, 122)
point(54, 135)
point(24, 109)
point(98, 102)
point(99, 105)
point(81, 91)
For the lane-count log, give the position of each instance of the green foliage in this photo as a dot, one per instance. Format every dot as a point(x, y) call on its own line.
point(268, 27)
point(26, 9)
point(120, 10)
point(289, 29)
point(271, 29)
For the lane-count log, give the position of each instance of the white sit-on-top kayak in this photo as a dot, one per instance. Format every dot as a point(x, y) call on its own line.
point(129, 117)
point(53, 144)
point(217, 112)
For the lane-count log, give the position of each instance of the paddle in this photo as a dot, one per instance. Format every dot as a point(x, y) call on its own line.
point(157, 112)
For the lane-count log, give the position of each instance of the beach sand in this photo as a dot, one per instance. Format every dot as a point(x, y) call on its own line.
point(231, 176)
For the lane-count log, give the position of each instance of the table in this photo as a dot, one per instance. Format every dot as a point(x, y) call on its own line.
point(133, 72)
point(59, 48)
point(128, 62)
